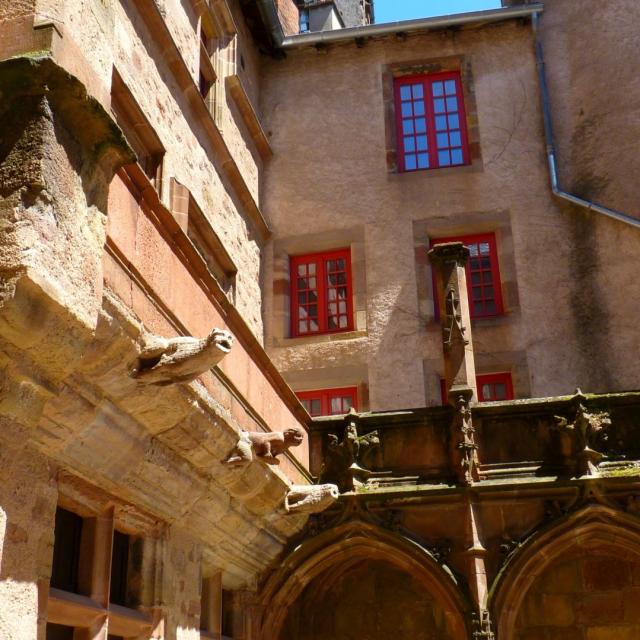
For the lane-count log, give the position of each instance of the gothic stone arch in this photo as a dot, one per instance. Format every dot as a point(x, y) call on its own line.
point(597, 535)
point(331, 554)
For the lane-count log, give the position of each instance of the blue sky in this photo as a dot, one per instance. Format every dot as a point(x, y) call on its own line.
point(392, 10)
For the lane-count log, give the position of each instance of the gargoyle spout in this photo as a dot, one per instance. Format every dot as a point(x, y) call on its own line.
point(164, 361)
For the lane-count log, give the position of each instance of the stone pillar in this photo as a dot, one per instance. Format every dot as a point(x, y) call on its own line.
point(449, 260)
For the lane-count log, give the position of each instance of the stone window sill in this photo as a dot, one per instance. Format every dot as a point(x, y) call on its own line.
point(321, 338)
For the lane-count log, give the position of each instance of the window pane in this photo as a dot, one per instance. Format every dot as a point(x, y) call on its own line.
point(418, 108)
point(406, 110)
point(302, 298)
point(438, 89)
point(443, 158)
point(486, 392)
point(452, 104)
point(302, 269)
point(346, 403)
point(417, 91)
point(421, 125)
point(484, 248)
point(405, 92)
point(441, 123)
point(454, 121)
point(500, 391)
point(486, 277)
point(312, 268)
point(423, 161)
point(410, 162)
point(475, 278)
point(442, 140)
point(336, 406)
point(343, 322)
point(438, 106)
point(456, 156)
point(316, 407)
point(456, 139)
point(450, 87)
point(313, 325)
point(422, 143)
point(473, 249)
point(409, 144)
point(407, 126)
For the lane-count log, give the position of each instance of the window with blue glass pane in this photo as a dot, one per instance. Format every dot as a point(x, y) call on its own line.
point(430, 121)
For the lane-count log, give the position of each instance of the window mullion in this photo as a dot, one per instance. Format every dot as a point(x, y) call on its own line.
point(431, 124)
point(323, 311)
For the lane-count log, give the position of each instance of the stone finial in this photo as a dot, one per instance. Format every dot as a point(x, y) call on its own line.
point(263, 446)
point(345, 462)
point(311, 498)
point(164, 361)
point(587, 431)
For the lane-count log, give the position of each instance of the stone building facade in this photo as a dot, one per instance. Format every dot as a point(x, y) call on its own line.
point(366, 216)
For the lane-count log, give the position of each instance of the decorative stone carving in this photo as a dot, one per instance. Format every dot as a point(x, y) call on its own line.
point(481, 626)
point(586, 432)
point(264, 446)
point(454, 329)
point(164, 361)
point(311, 498)
point(463, 434)
point(344, 461)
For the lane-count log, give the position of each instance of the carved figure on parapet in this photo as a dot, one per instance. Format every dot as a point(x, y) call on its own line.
point(344, 462)
point(587, 432)
point(263, 446)
point(310, 498)
point(164, 361)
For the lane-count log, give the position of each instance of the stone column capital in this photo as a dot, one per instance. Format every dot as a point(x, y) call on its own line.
point(449, 252)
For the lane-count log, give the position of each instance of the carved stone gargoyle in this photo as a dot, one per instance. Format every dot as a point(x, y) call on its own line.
point(263, 446)
point(586, 432)
point(164, 361)
point(310, 498)
point(345, 462)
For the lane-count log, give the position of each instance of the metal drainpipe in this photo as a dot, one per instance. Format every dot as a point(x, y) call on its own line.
point(551, 152)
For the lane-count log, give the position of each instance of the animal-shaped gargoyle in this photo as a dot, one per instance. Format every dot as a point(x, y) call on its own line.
point(164, 361)
point(263, 446)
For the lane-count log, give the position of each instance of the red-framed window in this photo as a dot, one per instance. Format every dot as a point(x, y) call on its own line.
point(483, 274)
point(321, 293)
point(494, 386)
point(431, 125)
point(491, 387)
point(329, 402)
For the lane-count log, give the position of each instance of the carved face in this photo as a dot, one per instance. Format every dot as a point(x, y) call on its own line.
point(222, 339)
point(293, 437)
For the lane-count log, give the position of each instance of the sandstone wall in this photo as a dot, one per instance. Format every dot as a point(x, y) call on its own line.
point(563, 325)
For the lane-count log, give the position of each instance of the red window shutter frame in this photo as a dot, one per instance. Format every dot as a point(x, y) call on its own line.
point(326, 395)
point(490, 238)
point(492, 379)
point(427, 81)
point(320, 260)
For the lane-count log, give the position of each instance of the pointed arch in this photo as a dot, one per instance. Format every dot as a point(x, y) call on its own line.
point(339, 549)
point(594, 527)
